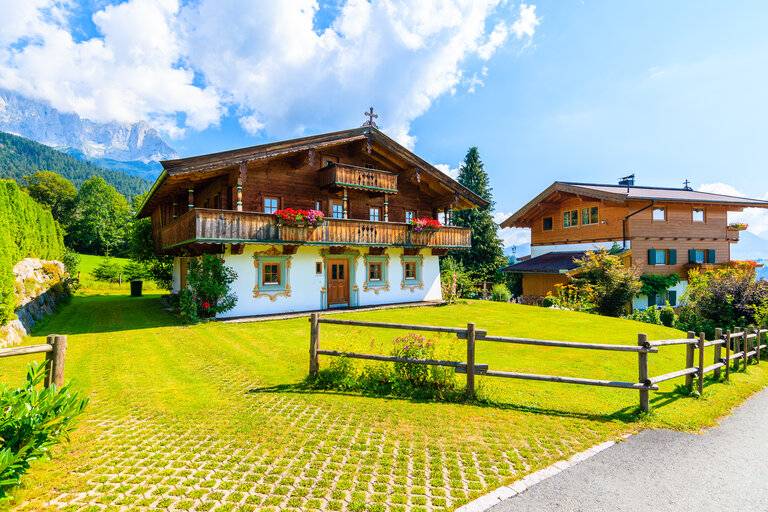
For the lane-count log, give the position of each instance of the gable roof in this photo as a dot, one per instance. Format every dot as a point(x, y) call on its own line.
point(623, 193)
point(549, 263)
point(201, 164)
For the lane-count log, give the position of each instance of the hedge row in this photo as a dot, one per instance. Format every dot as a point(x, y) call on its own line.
point(27, 229)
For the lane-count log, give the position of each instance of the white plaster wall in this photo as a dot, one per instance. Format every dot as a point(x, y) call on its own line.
point(305, 284)
point(430, 274)
point(641, 301)
point(176, 274)
point(538, 250)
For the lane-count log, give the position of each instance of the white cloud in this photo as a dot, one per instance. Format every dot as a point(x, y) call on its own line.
point(453, 172)
point(181, 66)
point(756, 218)
point(511, 236)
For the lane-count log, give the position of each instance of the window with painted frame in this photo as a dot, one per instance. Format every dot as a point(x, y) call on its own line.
point(412, 272)
point(660, 257)
point(376, 272)
point(270, 274)
point(337, 210)
point(374, 213)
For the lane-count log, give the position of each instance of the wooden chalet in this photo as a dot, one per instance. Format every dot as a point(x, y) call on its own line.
point(370, 189)
point(658, 230)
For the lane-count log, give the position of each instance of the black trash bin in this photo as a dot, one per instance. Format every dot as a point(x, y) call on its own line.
point(136, 288)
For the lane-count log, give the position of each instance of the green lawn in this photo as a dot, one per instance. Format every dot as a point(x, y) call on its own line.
point(88, 264)
point(208, 417)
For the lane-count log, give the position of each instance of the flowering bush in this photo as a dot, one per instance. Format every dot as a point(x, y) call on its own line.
point(425, 225)
point(208, 291)
point(299, 218)
point(571, 297)
point(739, 226)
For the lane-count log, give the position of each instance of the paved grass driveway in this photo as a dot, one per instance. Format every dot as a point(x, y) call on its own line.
point(209, 418)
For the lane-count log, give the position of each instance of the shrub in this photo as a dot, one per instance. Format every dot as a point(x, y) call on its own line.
point(208, 293)
point(108, 270)
point(657, 284)
point(571, 297)
point(612, 284)
point(724, 297)
point(32, 421)
point(500, 293)
point(454, 280)
point(135, 271)
point(651, 315)
point(668, 316)
point(71, 262)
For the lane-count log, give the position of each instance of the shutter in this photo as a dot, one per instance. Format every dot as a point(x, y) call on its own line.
point(691, 255)
point(651, 300)
point(672, 297)
point(673, 256)
point(711, 256)
point(651, 256)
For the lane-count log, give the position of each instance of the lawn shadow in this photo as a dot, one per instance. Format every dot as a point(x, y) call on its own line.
point(629, 414)
point(103, 313)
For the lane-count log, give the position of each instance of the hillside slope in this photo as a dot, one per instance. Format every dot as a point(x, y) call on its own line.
point(20, 157)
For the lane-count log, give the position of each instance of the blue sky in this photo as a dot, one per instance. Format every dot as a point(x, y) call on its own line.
point(549, 90)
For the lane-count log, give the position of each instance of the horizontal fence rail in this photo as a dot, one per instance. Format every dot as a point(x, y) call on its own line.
point(55, 351)
point(739, 346)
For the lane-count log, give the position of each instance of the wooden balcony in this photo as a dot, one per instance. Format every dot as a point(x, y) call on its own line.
point(732, 234)
point(202, 225)
point(363, 178)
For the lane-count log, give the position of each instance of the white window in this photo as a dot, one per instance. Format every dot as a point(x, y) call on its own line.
point(337, 210)
point(660, 214)
point(374, 213)
point(698, 215)
point(699, 256)
point(409, 216)
point(271, 204)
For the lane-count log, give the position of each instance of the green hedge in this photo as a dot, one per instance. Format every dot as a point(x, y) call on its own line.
point(27, 229)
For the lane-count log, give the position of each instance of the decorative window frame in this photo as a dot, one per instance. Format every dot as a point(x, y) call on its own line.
point(413, 284)
point(383, 283)
point(272, 291)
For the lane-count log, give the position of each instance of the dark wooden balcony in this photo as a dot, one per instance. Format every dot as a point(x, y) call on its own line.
point(363, 178)
point(202, 225)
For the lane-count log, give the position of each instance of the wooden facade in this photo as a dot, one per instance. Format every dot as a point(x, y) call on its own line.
point(663, 231)
point(367, 185)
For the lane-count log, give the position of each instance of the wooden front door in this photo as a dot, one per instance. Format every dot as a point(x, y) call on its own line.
point(338, 282)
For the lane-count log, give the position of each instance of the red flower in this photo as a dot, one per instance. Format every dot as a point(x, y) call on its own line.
point(206, 304)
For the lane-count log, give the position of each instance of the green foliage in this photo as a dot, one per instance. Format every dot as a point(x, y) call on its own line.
point(487, 253)
point(71, 261)
point(134, 271)
point(209, 293)
point(142, 250)
point(404, 379)
point(611, 283)
point(27, 229)
point(650, 315)
point(668, 316)
point(54, 191)
point(571, 297)
point(33, 420)
point(101, 219)
point(21, 157)
point(657, 284)
point(109, 271)
point(500, 293)
point(454, 279)
point(725, 297)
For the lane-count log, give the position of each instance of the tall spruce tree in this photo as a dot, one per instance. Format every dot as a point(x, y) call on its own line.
point(487, 253)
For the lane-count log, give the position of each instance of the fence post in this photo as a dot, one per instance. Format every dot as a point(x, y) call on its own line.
point(689, 361)
point(314, 342)
point(718, 337)
point(728, 354)
point(700, 382)
point(51, 340)
point(642, 371)
point(745, 347)
point(471, 360)
point(756, 332)
point(56, 357)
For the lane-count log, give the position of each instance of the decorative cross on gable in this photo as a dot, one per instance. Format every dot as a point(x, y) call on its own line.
point(687, 185)
point(371, 116)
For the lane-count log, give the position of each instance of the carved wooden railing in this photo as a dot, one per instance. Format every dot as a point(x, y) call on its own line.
point(226, 226)
point(352, 176)
point(732, 234)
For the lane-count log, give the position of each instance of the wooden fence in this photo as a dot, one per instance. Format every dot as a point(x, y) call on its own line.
point(55, 350)
point(739, 346)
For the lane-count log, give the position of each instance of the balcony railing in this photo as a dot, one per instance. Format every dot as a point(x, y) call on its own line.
point(732, 234)
point(351, 176)
point(201, 225)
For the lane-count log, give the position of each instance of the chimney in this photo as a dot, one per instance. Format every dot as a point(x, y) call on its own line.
point(627, 181)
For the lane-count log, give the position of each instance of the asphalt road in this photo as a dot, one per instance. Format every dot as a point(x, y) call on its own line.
point(723, 469)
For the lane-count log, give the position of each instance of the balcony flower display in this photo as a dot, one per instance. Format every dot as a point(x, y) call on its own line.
point(296, 218)
point(425, 225)
point(738, 226)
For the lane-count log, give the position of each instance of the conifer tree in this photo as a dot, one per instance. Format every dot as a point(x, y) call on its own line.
point(486, 256)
